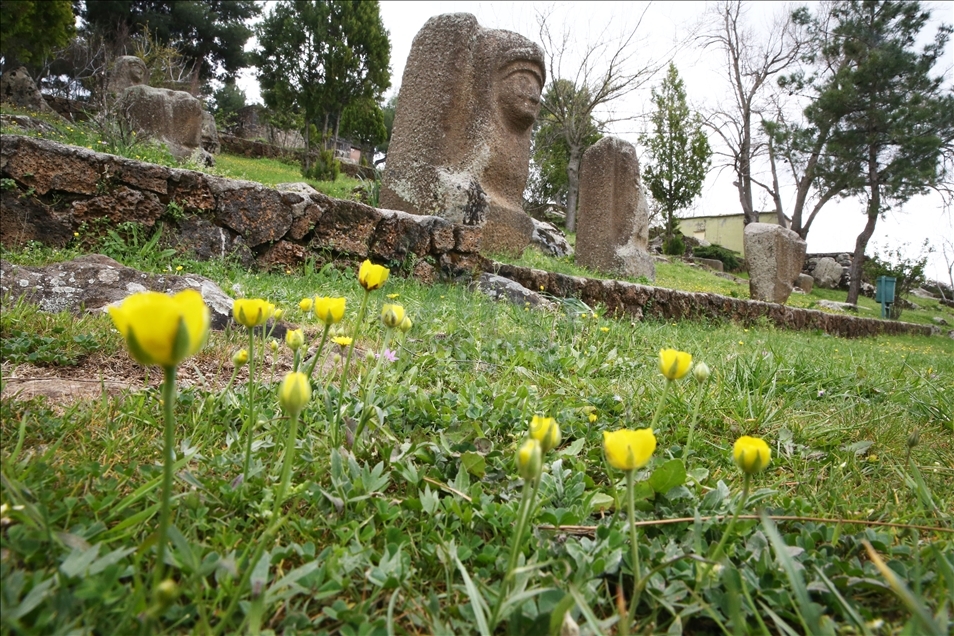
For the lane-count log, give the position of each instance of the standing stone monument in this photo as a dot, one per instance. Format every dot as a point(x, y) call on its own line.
point(612, 233)
point(461, 142)
point(774, 255)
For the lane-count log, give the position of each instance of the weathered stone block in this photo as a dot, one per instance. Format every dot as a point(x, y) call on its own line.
point(774, 255)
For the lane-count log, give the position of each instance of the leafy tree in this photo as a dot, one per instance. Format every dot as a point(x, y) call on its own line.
point(210, 33)
point(604, 74)
point(678, 149)
point(362, 121)
point(548, 184)
point(226, 102)
point(319, 56)
point(31, 29)
point(894, 120)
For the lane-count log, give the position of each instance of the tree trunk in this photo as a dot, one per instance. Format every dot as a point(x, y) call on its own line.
point(572, 186)
point(874, 209)
point(745, 174)
point(307, 144)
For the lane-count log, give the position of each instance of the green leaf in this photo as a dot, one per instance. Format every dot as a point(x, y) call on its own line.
point(667, 476)
point(474, 464)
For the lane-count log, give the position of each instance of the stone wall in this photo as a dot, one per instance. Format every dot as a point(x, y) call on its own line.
point(57, 190)
point(643, 301)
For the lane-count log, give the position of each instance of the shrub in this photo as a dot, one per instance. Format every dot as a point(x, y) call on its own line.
point(674, 246)
point(325, 167)
point(731, 260)
point(907, 272)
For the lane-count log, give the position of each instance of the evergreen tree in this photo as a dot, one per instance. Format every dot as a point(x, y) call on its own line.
point(678, 149)
point(31, 29)
point(319, 56)
point(209, 33)
point(894, 120)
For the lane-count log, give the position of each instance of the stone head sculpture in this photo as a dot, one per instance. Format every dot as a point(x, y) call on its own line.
point(460, 148)
point(127, 70)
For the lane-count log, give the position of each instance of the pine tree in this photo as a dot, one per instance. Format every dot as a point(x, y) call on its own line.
point(678, 149)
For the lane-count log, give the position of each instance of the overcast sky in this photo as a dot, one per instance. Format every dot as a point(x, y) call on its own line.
point(663, 27)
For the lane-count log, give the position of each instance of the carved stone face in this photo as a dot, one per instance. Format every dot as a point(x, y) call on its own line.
point(518, 89)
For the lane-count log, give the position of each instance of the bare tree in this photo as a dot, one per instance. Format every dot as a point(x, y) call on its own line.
point(578, 93)
point(751, 61)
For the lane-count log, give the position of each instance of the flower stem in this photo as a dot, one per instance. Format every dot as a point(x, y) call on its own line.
point(530, 487)
point(287, 463)
point(336, 423)
point(659, 405)
point(717, 553)
point(168, 405)
point(634, 544)
point(695, 414)
point(250, 422)
point(310, 368)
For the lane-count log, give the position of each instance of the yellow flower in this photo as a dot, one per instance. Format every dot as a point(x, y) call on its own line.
point(393, 296)
point(529, 459)
point(161, 329)
point(178, 268)
point(546, 431)
point(306, 304)
point(372, 276)
point(240, 357)
point(252, 312)
point(343, 341)
point(406, 324)
point(392, 315)
point(674, 364)
point(604, 329)
point(329, 310)
point(294, 392)
point(294, 338)
point(751, 454)
point(628, 450)
point(592, 418)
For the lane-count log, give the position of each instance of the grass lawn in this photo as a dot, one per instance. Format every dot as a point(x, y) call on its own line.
point(411, 529)
point(406, 498)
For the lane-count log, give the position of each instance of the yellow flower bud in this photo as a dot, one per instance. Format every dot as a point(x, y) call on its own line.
point(406, 324)
point(329, 310)
point(305, 304)
point(294, 392)
point(592, 418)
point(392, 315)
point(674, 364)
point(166, 593)
point(240, 357)
point(530, 459)
point(161, 329)
point(372, 276)
point(252, 312)
point(273, 345)
point(278, 314)
point(546, 431)
point(628, 450)
point(751, 454)
point(294, 338)
point(700, 371)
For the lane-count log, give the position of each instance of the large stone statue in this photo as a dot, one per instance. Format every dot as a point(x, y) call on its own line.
point(613, 222)
point(461, 142)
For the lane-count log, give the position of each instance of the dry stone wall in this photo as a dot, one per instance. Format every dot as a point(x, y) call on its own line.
point(58, 188)
point(643, 301)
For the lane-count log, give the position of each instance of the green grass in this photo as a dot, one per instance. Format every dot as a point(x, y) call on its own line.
point(378, 540)
point(271, 172)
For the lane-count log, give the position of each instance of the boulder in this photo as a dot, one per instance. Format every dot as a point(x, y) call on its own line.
point(500, 288)
point(828, 273)
point(210, 135)
point(93, 282)
point(613, 219)
point(126, 71)
point(805, 283)
point(774, 255)
point(550, 239)
point(17, 88)
point(711, 263)
point(461, 143)
point(174, 118)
